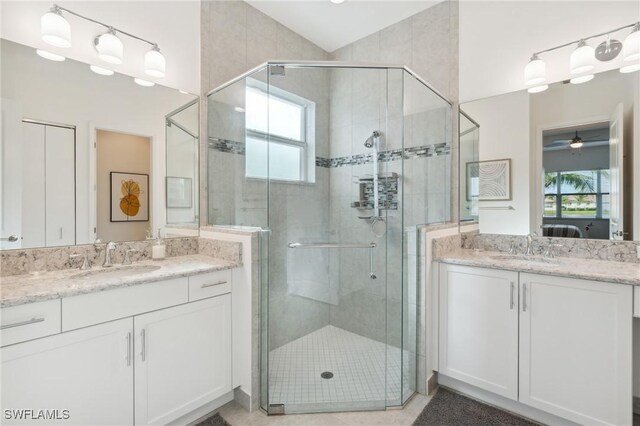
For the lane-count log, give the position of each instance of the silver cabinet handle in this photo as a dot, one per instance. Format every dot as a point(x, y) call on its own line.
point(212, 284)
point(524, 297)
point(128, 349)
point(10, 238)
point(512, 302)
point(372, 275)
point(143, 337)
point(21, 323)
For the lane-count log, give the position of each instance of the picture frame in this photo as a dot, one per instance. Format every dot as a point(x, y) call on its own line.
point(489, 180)
point(179, 192)
point(129, 197)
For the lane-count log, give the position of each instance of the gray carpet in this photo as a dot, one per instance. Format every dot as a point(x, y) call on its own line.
point(451, 409)
point(215, 420)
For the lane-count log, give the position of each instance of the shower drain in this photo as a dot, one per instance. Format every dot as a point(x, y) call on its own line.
point(327, 375)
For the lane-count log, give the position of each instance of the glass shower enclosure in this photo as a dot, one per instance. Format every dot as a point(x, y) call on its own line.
point(340, 165)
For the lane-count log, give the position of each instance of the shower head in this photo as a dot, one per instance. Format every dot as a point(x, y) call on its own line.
point(371, 139)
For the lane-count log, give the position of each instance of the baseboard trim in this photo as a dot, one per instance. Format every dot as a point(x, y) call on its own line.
point(636, 404)
point(242, 398)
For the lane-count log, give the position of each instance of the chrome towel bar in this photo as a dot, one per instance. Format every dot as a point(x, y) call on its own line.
point(330, 245)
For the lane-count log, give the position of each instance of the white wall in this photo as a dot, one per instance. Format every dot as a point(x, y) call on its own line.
point(504, 133)
point(497, 39)
point(174, 25)
point(69, 93)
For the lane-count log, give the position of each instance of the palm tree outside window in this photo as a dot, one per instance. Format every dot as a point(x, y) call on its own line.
point(581, 194)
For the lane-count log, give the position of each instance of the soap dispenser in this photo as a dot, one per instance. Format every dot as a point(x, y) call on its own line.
point(158, 250)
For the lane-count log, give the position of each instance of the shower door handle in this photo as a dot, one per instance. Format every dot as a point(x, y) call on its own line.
point(371, 274)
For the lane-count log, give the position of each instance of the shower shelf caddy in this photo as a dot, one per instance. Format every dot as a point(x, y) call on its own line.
point(387, 192)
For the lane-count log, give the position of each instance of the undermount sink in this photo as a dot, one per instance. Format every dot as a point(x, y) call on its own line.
point(123, 271)
point(524, 258)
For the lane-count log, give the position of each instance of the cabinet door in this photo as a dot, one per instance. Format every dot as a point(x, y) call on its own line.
point(479, 328)
point(88, 372)
point(60, 186)
point(183, 359)
point(576, 348)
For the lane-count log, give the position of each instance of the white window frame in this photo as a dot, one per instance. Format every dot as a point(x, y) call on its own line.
point(306, 145)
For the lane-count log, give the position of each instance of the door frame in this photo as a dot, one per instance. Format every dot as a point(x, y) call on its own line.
point(93, 175)
point(537, 192)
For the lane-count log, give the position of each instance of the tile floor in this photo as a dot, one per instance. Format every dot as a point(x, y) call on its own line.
point(357, 364)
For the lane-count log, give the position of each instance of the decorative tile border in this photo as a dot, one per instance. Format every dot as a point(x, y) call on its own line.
point(233, 147)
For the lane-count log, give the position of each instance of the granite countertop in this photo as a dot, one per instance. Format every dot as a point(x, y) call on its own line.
point(588, 269)
point(39, 286)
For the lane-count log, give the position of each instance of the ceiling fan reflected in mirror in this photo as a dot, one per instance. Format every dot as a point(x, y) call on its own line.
point(575, 142)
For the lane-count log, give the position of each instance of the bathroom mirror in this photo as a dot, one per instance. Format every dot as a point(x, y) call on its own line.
point(83, 155)
point(574, 154)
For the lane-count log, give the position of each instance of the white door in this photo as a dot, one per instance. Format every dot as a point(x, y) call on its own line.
point(60, 186)
point(33, 187)
point(479, 328)
point(616, 175)
point(88, 372)
point(576, 349)
point(183, 359)
point(10, 175)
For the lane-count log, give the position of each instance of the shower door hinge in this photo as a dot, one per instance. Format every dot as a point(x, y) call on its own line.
point(276, 409)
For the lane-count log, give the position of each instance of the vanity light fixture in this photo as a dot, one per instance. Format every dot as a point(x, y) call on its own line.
point(110, 48)
point(55, 30)
point(50, 56)
point(583, 58)
point(337, 1)
point(144, 83)
point(631, 46)
point(154, 63)
point(100, 70)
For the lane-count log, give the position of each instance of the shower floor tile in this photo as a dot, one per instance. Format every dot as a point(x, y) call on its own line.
point(357, 364)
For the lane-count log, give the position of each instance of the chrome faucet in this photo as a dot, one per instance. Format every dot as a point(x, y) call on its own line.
point(529, 251)
point(85, 260)
point(111, 246)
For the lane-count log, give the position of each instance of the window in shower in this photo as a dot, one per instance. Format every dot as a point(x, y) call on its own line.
point(278, 124)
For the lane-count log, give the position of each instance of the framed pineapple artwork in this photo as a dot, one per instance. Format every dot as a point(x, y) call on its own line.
point(129, 197)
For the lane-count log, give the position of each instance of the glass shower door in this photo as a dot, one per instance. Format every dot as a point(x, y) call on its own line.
point(327, 275)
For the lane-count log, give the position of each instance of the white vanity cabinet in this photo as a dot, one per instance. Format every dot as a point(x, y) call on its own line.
point(183, 359)
point(566, 347)
point(576, 348)
point(144, 346)
point(479, 328)
point(88, 372)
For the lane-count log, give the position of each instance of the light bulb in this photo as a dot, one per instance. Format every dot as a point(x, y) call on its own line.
point(538, 89)
point(581, 79)
point(144, 83)
point(582, 58)
point(100, 70)
point(630, 68)
point(54, 29)
point(631, 46)
point(154, 63)
point(109, 47)
point(50, 56)
point(337, 1)
point(535, 71)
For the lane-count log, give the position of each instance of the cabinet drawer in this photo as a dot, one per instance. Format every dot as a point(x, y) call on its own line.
point(30, 321)
point(636, 301)
point(94, 308)
point(209, 285)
